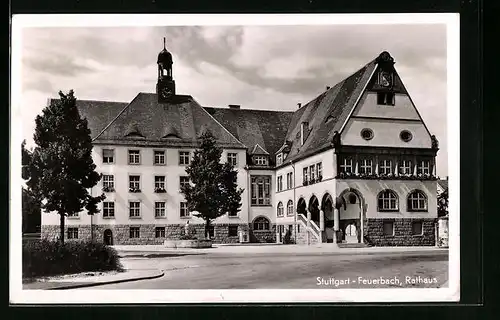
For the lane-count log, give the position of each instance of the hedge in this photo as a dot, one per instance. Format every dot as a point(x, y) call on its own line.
point(48, 258)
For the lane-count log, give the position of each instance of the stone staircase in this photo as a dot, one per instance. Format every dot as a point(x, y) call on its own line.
point(313, 231)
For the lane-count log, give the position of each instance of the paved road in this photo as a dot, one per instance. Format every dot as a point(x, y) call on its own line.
point(284, 271)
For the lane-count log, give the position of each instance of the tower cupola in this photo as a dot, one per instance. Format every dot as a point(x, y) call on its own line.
point(165, 87)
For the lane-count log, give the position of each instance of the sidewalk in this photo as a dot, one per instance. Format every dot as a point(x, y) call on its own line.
point(325, 248)
point(86, 279)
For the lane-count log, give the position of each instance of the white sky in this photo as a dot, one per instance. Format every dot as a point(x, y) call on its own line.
point(261, 67)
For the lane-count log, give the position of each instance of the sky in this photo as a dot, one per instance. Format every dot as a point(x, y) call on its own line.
point(259, 67)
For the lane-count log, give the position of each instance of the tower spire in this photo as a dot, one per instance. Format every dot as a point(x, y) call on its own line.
point(164, 43)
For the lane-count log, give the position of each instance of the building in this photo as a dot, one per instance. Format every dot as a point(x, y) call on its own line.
point(356, 164)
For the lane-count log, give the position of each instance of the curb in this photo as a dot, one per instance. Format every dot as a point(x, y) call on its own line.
point(95, 284)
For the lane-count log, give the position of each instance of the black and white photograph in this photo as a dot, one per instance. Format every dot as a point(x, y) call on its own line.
point(235, 158)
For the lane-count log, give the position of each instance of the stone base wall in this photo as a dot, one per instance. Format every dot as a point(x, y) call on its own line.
point(147, 233)
point(374, 232)
point(302, 236)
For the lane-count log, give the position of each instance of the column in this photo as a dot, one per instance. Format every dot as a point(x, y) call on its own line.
point(434, 171)
point(414, 165)
point(376, 164)
point(396, 167)
point(308, 226)
point(321, 220)
point(336, 224)
point(361, 221)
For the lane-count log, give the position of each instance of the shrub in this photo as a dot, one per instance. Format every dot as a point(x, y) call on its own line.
point(48, 258)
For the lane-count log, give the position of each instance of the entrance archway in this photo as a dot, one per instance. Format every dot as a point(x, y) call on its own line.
point(301, 206)
point(327, 208)
point(108, 237)
point(314, 209)
point(351, 216)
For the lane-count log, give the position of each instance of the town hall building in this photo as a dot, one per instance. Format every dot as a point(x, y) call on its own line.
point(356, 164)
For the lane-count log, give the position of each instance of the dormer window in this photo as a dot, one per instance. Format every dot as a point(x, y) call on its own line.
point(279, 159)
point(260, 160)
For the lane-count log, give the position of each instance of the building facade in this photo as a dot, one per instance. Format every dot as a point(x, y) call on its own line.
point(354, 165)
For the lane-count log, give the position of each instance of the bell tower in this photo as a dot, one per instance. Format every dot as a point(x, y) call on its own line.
point(165, 87)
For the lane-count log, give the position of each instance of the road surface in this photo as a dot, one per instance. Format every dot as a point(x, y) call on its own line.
point(285, 271)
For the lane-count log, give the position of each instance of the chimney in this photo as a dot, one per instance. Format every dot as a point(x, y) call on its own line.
point(327, 87)
point(303, 132)
point(299, 105)
point(234, 106)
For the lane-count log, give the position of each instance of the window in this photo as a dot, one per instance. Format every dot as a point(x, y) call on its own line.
point(108, 209)
point(159, 184)
point(417, 228)
point(346, 165)
point(305, 175)
point(160, 232)
point(388, 228)
point(134, 157)
point(183, 181)
point(405, 167)
point(160, 209)
point(108, 183)
point(280, 183)
point(405, 135)
point(417, 201)
point(424, 167)
point(159, 157)
point(289, 208)
point(385, 167)
point(232, 158)
point(134, 184)
point(365, 166)
point(289, 180)
point(387, 201)
point(183, 158)
point(232, 231)
point(312, 173)
point(72, 233)
point(367, 134)
point(134, 209)
point(261, 223)
point(134, 232)
point(108, 156)
point(319, 170)
point(260, 160)
point(385, 98)
point(261, 186)
point(279, 159)
point(184, 210)
point(281, 210)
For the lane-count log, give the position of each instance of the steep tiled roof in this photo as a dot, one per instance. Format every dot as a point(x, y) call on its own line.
point(443, 183)
point(98, 113)
point(252, 127)
point(326, 114)
point(183, 116)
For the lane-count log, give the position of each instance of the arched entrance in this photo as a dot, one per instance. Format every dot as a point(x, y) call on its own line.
point(108, 237)
point(301, 206)
point(314, 209)
point(327, 208)
point(350, 216)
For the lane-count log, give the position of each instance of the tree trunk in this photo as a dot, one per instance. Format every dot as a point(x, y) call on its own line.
point(61, 236)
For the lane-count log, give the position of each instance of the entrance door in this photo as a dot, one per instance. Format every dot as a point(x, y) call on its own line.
point(351, 233)
point(279, 238)
point(108, 237)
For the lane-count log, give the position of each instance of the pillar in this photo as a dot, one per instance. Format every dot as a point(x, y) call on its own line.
point(321, 220)
point(361, 221)
point(376, 164)
point(336, 224)
point(308, 226)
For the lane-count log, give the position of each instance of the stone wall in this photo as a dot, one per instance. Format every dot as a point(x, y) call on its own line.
point(302, 236)
point(147, 233)
point(374, 232)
